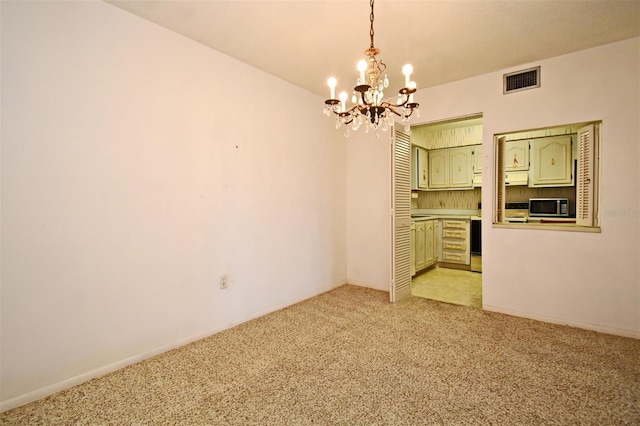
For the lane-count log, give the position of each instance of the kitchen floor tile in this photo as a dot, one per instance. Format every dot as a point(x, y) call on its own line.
point(449, 285)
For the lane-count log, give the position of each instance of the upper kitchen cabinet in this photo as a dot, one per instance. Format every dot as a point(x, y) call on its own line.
point(477, 159)
point(451, 168)
point(516, 163)
point(420, 178)
point(517, 156)
point(449, 149)
point(439, 169)
point(461, 167)
point(551, 162)
point(477, 166)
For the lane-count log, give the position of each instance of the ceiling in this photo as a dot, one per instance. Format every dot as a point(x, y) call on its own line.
point(305, 42)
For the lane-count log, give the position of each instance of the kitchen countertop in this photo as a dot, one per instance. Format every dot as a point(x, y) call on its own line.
point(418, 215)
point(439, 216)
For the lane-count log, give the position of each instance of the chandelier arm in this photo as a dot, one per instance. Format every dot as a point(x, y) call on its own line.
point(410, 113)
point(406, 93)
point(388, 104)
point(389, 108)
point(345, 113)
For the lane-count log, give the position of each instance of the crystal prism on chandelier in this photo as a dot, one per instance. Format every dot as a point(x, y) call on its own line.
point(370, 109)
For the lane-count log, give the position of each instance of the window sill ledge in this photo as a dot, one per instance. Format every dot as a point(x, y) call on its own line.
point(548, 227)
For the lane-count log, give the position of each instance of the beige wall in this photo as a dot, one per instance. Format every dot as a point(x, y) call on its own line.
point(133, 179)
point(369, 210)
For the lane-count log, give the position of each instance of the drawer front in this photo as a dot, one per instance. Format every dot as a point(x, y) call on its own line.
point(453, 257)
point(447, 233)
point(453, 245)
point(453, 224)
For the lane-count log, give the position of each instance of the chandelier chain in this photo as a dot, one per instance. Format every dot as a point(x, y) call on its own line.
point(371, 19)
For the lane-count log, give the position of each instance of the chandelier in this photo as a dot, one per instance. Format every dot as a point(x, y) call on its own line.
point(370, 108)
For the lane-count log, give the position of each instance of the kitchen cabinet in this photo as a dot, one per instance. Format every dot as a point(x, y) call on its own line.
point(516, 178)
point(439, 169)
point(551, 162)
point(420, 178)
point(424, 245)
point(451, 168)
point(430, 252)
point(461, 167)
point(477, 166)
point(412, 254)
point(455, 241)
point(517, 156)
point(477, 159)
point(516, 163)
point(421, 240)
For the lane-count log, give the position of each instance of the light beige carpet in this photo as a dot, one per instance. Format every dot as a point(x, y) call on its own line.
point(349, 357)
point(449, 285)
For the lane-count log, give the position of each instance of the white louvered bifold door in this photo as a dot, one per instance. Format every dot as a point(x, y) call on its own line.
point(586, 188)
point(400, 215)
point(500, 153)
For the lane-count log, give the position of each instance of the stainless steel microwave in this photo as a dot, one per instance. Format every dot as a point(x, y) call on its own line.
point(552, 207)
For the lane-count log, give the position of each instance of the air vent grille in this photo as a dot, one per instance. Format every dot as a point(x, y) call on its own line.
point(521, 80)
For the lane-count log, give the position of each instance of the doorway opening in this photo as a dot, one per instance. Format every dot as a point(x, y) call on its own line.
point(446, 210)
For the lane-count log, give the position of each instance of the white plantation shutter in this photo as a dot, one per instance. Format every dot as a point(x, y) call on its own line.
point(500, 154)
point(586, 188)
point(400, 216)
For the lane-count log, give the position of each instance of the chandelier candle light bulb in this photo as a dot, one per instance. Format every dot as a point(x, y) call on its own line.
point(370, 108)
point(362, 67)
point(343, 100)
point(412, 85)
point(407, 70)
point(332, 85)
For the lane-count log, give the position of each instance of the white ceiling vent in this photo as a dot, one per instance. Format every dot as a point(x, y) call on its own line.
point(521, 80)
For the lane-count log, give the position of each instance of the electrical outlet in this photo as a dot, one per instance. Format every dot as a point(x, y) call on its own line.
point(223, 281)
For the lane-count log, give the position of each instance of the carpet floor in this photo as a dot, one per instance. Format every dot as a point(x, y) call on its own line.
point(349, 357)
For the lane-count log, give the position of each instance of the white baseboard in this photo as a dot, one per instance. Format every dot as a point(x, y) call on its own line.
point(383, 287)
point(552, 320)
point(98, 372)
point(65, 384)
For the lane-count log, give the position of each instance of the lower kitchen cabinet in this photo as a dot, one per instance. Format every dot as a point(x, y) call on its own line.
point(421, 241)
point(430, 252)
point(412, 254)
point(426, 253)
point(456, 241)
